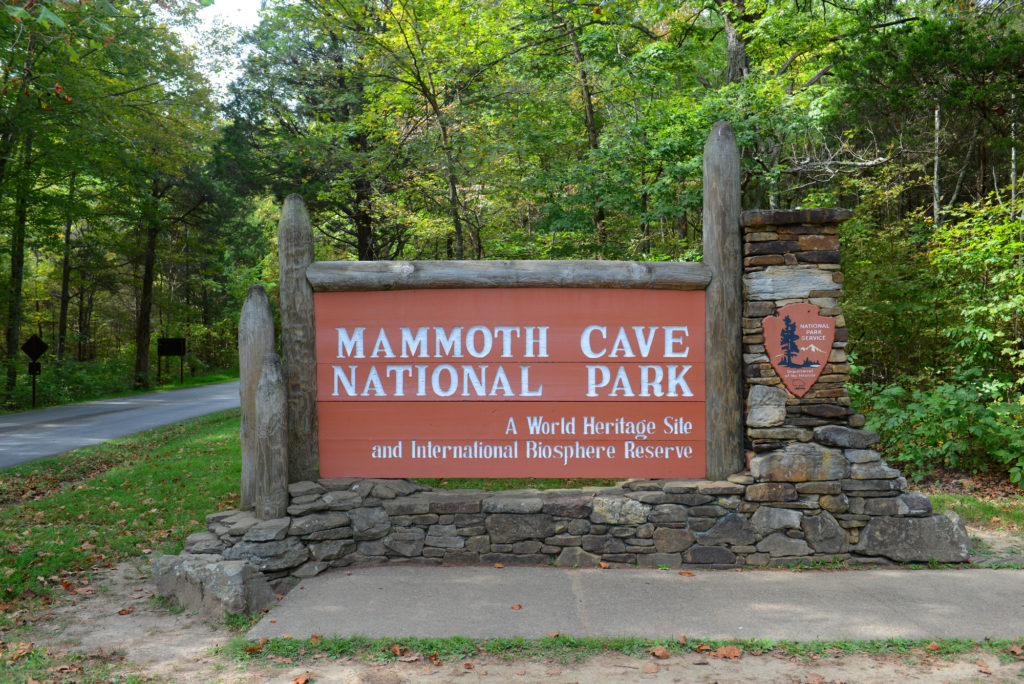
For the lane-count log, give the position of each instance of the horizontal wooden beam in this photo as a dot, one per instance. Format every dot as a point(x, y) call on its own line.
point(341, 276)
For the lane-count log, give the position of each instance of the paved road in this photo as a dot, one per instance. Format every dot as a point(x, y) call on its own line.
point(47, 432)
point(476, 602)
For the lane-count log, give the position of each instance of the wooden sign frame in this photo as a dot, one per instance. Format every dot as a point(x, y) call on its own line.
point(720, 276)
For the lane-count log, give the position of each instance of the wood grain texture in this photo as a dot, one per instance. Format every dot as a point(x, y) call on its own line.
point(270, 481)
point(295, 254)
point(255, 339)
point(723, 253)
point(340, 276)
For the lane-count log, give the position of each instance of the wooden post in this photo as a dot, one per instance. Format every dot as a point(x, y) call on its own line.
point(724, 341)
point(270, 493)
point(295, 254)
point(255, 338)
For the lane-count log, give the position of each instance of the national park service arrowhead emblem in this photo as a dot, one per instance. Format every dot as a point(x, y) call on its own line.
point(798, 342)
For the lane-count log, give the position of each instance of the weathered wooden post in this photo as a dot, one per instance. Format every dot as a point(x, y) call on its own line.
point(270, 481)
point(255, 338)
point(724, 338)
point(295, 254)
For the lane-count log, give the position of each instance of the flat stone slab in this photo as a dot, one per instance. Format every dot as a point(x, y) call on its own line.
point(476, 602)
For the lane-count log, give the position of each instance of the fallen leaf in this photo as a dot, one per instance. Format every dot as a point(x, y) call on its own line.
point(703, 648)
point(468, 666)
point(934, 646)
point(301, 679)
point(660, 652)
point(982, 667)
point(408, 658)
point(499, 565)
point(552, 634)
point(686, 573)
point(19, 651)
point(650, 668)
point(1015, 649)
point(682, 640)
point(280, 659)
point(520, 672)
point(435, 660)
point(730, 652)
point(554, 672)
point(257, 646)
point(126, 611)
point(604, 566)
point(316, 639)
point(399, 650)
point(517, 607)
point(287, 636)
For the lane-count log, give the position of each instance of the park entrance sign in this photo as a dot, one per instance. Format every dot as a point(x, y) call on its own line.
point(511, 382)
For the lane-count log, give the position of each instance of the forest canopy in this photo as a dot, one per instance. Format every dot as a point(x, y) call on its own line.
point(136, 202)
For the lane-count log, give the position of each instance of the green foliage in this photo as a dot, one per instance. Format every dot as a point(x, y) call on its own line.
point(966, 425)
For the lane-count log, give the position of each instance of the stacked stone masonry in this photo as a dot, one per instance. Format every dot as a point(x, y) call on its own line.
point(641, 523)
point(815, 488)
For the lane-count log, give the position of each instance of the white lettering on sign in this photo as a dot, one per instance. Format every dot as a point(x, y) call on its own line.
point(649, 380)
point(444, 380)
point(478, 341)
point(643, 337)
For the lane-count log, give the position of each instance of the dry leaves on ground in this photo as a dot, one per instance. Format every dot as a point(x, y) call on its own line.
point(660, 652)
point(729, 652)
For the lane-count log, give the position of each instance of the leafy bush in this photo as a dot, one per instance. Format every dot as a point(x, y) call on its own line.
point(967, 425)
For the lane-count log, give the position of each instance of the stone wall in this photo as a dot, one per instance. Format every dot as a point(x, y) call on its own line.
point(815, 488)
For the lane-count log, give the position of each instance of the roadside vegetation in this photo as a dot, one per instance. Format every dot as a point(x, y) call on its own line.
point(71, 382)
point(62, 517)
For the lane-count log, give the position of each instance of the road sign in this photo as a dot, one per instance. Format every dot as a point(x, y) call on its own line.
point(35, 347)
point(170, 346)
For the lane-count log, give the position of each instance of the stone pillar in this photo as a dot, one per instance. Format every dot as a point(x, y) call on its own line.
point(298, 341)
point(809, 453)
point(791, 257)
point(255, 338)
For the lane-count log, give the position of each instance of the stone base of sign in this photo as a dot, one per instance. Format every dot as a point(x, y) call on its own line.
point(810, 452)
point(207, 583)
point(641, 523)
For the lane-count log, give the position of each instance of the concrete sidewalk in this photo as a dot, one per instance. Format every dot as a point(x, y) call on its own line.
point(477, 602)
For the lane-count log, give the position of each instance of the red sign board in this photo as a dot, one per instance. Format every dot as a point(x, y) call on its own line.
point(532, 382)
point(798, 342)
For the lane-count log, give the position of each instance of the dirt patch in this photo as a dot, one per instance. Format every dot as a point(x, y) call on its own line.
point(119, 621)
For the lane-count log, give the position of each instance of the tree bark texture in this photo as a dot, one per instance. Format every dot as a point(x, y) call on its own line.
point(270, 493)
point(341, 276)
point(255, 341)
point(17, 281)
point(143, 326)
point(295, 254)
point(65, 277)
point(724, 335)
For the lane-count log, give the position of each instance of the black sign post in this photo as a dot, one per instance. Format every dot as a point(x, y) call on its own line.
point(170, 346)
point(34, 347)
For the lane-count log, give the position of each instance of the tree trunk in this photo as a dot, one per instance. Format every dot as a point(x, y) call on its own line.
point(14, 308)
point(590, 122)
point(142, 322)
point(936, 190)
point(738, 62)
point(65, 277)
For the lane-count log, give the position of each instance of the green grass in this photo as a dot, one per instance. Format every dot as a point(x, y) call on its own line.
point(1006, 513)
point(104, 504)
point(565, 649)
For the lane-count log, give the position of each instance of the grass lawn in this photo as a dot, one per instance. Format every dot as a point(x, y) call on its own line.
point(60, 517)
